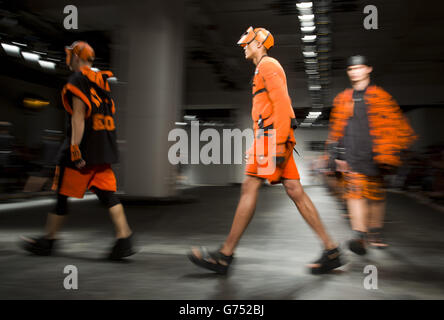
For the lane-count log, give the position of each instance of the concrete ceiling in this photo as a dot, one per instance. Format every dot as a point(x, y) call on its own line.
point(406, 51)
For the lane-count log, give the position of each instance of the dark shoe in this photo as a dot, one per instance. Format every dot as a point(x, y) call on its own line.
point(123, 248)
point(329, 260)
point(39, 246)
point(212, 260)
point(357, 246)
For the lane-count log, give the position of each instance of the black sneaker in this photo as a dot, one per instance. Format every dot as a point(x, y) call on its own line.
point(329, 260)
point(357, 246)
point(123, 248)
point(40, 246)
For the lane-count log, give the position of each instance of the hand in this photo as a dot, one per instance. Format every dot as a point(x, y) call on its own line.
point(76, 156)
point(80, 164)
point(341, 165)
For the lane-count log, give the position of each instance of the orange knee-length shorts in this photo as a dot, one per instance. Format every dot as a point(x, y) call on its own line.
point(74, 182)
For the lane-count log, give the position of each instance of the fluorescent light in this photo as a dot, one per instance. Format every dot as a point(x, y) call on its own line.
point(30, 56)
point(309, 54)
point(306, 17)
point(47, 64)
point(307, 23)
point(308, 29)
point(95, 69)
point(53, 59)
point(314, 87)
point(304, 5)
point(11, 49)
point(19, 44)
point(39, 52)
point(112, 79)
point(181, 123)
point(315, 113)
point(309, 38)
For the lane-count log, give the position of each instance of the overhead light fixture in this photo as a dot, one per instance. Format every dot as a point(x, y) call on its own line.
point(309, 54)
point(307, 23)
point(306, 17)
point(308, 29)
point(47, 64)
point(304, 5)
point(309, 38)
point(19, 44)
point(11, 49)
point(314, 87)
point(39, 52)
point(310, 61)
point(112, 79)
point(95, 69)
point(30, 56)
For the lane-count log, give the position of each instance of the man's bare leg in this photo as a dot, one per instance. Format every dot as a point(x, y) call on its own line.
point(376, 214)
point(308, 211)
point(376, 223)
point(244, 213)
point(359, 214)
point(54, 223)
point(358, 209)
point(118, 217)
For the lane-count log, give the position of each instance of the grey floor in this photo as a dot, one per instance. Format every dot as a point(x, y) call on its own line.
point(269, 262)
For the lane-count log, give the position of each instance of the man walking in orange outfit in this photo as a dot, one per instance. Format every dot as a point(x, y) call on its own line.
point(367, 123)
point(270, 158)
point(86, 156)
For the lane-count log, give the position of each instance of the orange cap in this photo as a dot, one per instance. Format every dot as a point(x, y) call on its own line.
point(259, 34)
point(82, 49)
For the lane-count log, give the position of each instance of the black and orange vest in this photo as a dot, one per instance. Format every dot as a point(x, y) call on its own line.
point(99, 141)
point(389, 128)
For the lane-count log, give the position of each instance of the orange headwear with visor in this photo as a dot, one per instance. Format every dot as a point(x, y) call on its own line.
point(82, 49)
point(259, 34)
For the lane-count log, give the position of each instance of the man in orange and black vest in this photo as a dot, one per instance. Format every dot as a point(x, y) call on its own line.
point(87, 153)
point(270, 158)
point(368, 126)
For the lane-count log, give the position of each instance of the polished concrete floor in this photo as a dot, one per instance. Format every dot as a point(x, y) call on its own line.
point(269, 262)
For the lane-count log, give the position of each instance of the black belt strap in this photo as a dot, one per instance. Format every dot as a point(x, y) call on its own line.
point(259, 91)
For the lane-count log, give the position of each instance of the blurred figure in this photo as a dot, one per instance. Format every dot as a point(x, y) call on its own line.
point(368, 124)
point(87, 152)
point(271, 110)
point(40, 179)
point(6, 156)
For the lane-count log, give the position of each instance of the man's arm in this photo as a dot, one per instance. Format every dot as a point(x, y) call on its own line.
point(78, 128)
point(278, 94)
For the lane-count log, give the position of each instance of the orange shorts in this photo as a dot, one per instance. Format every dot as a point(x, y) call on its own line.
point(359, 186)
point(287, 171)
point(74, 182)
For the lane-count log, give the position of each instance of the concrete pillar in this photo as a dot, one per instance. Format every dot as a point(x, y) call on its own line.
point(153, 96)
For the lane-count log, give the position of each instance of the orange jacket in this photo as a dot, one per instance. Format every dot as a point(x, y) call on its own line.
point(271, 102)
point(389, 128)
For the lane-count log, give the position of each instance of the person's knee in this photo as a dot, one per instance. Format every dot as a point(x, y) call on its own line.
point(250, 185)
point(61, 208)
point(294, 189)
point(107, 198)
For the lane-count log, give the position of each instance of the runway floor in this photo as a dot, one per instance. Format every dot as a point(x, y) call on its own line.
point(270, 261)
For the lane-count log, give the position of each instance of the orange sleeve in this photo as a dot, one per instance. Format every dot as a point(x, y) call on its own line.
point(78, 93)
point(276, 85)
